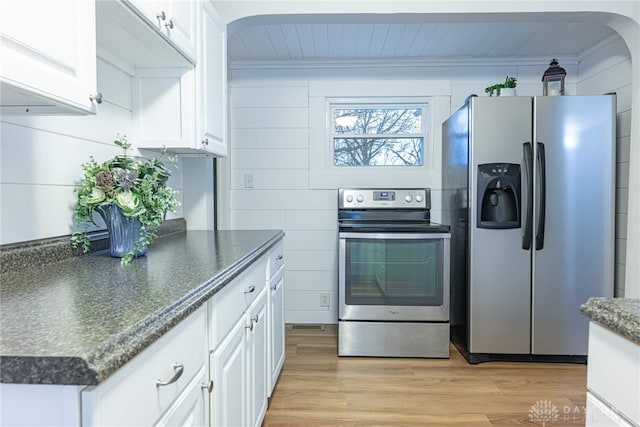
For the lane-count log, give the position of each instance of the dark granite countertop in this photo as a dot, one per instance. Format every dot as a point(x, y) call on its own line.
point(621, 315)
point(78, 320)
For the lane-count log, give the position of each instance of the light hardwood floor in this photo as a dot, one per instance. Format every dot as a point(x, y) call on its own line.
point(318, 388)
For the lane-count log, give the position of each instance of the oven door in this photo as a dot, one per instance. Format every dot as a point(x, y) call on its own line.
point(393, 276)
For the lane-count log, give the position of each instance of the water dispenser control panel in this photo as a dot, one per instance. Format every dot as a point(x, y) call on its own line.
point(499, 198)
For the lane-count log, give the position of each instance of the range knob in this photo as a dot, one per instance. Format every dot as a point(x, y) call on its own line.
point(349, 198)
point(419, 198)
point(408, 198)
point(360, 198)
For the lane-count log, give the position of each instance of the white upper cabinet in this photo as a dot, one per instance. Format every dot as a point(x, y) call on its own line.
point(135, 32)
point(175, 19)
point(175, 50)
point(163, 107)
point(211, 83)
point(185, 109)
point(48, 57)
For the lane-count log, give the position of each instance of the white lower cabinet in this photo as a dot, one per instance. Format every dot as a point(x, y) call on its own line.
point(216, 367)
point(276, 328)
point(239, 370)
point(601, 414)
point(613, 370)
point(190, 408)
point(229, 376)
point(157, 382)
point(257, 349)
point(275, 289)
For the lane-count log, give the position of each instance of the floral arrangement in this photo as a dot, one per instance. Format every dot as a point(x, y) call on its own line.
point(137, 187)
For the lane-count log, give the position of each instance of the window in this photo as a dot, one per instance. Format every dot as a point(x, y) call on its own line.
point(386, 135)
point(378, 135)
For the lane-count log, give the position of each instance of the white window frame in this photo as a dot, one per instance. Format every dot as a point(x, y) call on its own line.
point(378, 103)
point(324, 175)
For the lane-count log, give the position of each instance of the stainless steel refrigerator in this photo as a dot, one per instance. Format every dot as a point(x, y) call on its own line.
point(528, 190)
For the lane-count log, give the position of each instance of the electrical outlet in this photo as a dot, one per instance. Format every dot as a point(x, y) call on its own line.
point(248, 180)
point(324, 299)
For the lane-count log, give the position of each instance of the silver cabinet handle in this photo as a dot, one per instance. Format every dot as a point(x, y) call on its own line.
point(252, 321)
point(274, 287)
point(250, 289)
point(169, 24)
point(179, 370)
point(208, 387)
point(161, 15)
point(279, 257)
point(205, 141)
point(97, 98)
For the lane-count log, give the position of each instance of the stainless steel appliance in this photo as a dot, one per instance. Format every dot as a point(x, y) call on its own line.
point(393, 275)
point(529, 194)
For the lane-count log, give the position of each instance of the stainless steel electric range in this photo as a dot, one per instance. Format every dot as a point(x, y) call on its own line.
point(393, 275)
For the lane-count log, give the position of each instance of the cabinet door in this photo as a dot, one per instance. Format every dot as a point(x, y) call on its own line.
point(211, 83)
point(276, 328)
point(174, 19)
point(180, 24)
point(163, 107)
point(228, 401)
point(257, 345)
point(149, 9)
point(48, 54)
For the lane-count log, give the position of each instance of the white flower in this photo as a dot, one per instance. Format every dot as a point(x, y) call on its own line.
point(129, 203)
point(96, 196)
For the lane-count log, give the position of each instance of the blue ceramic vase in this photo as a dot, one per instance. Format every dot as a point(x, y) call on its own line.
point(123, 231)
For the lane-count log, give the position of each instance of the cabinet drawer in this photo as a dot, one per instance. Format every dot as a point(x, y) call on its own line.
point(190, 408)
point(276, 258)
point(131, 396)
point(231, 302)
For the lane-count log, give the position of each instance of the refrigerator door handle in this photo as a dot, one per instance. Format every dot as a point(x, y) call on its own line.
point(542, 206)
point(527, 153)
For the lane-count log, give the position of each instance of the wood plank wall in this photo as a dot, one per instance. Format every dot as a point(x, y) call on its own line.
point(41, 158)
point(274, 149)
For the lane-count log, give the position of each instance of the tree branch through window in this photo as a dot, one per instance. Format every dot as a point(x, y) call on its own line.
point(378, 136)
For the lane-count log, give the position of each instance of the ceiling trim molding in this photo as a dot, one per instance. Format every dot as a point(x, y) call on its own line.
point(398, 63)
point(613, 38)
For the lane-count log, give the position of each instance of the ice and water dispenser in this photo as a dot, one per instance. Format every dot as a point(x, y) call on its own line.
point(498, 195)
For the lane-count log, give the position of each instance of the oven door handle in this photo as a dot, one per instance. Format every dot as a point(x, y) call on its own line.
point(394, 236)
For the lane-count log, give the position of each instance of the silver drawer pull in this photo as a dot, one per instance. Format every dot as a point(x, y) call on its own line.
point(179, 370)
point(169, 24)
point(274, 287)
point(250, 289)
point(254, 319)
point(279, 257)
point(249, 326)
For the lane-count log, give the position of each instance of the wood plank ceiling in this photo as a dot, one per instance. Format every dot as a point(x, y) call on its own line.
point(393, 37)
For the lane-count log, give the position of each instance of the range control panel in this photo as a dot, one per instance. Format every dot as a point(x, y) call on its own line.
point(359, 198)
